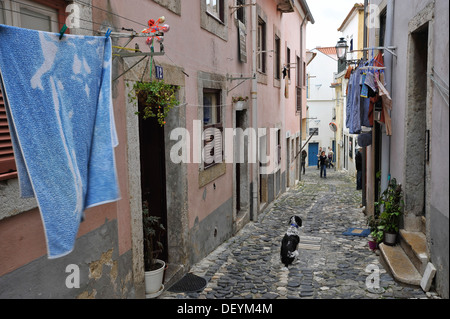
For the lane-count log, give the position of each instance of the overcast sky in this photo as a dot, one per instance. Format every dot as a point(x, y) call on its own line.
point(328, 16)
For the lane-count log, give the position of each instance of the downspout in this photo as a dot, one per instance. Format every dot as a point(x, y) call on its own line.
point(301, 90)
point(254, 94)
point(388, 59)
point(364, 154)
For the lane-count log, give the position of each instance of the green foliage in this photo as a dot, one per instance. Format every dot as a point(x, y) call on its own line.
point(376, 229)
point(153, 231)
point(239, 98)
point(390, 207)
point(157, 97)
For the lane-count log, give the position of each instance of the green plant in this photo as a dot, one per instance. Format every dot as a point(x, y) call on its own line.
point(157, 97)
point(376, 229)
point(378, 234)
point(390, 207)
point(153, 231)
point(240, 98)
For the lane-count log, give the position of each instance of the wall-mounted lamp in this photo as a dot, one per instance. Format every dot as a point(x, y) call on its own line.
point(341, 49)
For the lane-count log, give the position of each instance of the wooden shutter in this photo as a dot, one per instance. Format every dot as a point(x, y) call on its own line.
point(7, 163)
point(213, 145)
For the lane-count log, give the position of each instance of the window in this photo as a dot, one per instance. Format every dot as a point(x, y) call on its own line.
point(261, 56)
point(288, 62)
point(240, 13)
point(2, 13)
point(212, 127)
point(277, 45)
point(298, 86)
point(30, 15)
point(308, 86)
point(216, 8)
point(33, 15)
point(314, 131)
point(278, 147)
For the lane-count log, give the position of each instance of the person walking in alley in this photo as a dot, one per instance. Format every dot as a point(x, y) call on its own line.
point(318, 158)
point(323, 164)
point(330, 158)
point(358, 160)
point(304, 156)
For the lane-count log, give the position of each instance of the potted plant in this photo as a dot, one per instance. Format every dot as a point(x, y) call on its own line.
point(154, 267)
point(376, 232)
point(240, 102)
point(157, 99)
point(390, 207)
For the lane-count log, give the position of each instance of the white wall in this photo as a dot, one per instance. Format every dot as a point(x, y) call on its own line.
point(321, 98)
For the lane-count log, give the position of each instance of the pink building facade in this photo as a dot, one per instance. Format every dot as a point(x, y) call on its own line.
point(215, 53)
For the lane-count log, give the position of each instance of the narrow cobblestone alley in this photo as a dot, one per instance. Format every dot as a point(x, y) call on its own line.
point(330, 265)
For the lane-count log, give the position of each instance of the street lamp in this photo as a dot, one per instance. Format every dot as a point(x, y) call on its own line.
point(341, 49)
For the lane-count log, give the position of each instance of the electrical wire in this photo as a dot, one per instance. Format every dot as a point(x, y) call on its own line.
point(109, 12)
point(38, 17)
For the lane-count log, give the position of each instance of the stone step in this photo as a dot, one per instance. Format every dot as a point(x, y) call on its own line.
point(415, 246)
point(173, 273)
point(400, 265)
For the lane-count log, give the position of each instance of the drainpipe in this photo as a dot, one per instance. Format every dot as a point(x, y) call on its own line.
point(254, 94)
point(388, 59)
point(301, 88)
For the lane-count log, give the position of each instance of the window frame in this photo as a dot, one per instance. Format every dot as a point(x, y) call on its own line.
point(277, 54)
point(261, 46)
point(217, 125)
point(11, 14)
point(218, 14)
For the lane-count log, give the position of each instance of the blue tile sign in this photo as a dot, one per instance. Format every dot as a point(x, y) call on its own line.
point(159, 72)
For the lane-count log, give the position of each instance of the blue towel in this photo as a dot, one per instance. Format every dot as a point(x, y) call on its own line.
point(59, 107)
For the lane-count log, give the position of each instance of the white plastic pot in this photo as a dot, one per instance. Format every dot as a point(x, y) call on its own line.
point(154, 280)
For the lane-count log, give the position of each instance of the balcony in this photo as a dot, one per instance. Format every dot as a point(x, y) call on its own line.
point(285, 6)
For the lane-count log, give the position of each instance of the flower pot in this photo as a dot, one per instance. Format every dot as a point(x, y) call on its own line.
point(373, 245)
point(154, 279)
point(390, 238)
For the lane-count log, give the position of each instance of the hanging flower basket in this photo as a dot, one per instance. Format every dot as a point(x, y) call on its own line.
point(240, 103)
point(157, 99)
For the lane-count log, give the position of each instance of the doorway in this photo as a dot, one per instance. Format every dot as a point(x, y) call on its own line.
point(313, 150)
point(418, 124)
point(242, 201)
point(153, 173)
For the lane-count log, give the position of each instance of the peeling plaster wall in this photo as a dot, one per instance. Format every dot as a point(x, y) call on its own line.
point(103, 273)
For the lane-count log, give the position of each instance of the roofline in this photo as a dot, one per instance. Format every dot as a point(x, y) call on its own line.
point(305, 8)
point(356, 6)
point(328, 55)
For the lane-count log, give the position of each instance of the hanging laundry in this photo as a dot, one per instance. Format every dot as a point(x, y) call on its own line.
point(387, 106)
point(378, 61)
point(59, 107)
point(365, 139)
point(365, 113)
point(353, 107)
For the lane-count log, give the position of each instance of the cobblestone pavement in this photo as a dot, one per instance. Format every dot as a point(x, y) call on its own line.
point(330, 265)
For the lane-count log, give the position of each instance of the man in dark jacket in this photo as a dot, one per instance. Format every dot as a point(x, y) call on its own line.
point(304, 155)
point(358, 162)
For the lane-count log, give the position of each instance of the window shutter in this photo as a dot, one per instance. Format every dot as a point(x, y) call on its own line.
point(7, 163)
point(299, 99)
point(213, 147)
